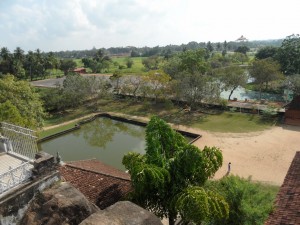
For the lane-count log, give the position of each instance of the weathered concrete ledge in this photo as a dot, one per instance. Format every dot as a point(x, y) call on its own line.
point(15, 202)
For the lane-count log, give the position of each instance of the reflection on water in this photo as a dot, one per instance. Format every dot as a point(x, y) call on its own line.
point(105, 139)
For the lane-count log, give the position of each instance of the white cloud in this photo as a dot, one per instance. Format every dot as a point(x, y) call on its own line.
point(81, 24)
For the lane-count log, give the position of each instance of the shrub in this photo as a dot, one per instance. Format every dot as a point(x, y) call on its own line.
point(249, 202)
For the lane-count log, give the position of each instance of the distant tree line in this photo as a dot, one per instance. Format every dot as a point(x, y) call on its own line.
point(165, 50)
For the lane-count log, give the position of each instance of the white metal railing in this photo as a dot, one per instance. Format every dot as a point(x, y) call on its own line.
point(21, 140)
point(15, 176)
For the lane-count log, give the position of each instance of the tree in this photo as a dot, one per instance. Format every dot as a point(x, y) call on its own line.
point(266, 52)
point(209, 47)
point(238, 57)
point(129, 62)
point(116, 79)
point(288, 55)
point(132, 85)
point(6, 61)
point(232, 77)
point(158, 82)
point(100, 61)
point(151, 63)
point(242, 49)
point(193, 61)
point(10, 114)
point(134, 53)
point(25, 101)
point(264, 71)
point(196, 88)
point(293, 83)
point(169, 179)
point(67, 65)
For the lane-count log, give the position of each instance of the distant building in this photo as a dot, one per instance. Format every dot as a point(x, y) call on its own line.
point(80, 70)
point(242, 39)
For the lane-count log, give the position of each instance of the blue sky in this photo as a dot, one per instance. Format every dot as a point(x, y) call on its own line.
point(54, 25)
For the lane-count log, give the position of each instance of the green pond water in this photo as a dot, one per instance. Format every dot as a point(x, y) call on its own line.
point(104, 139)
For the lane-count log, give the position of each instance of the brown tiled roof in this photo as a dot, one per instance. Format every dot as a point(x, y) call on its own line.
point(97, 166)
point(102, 188)
point(287, 209)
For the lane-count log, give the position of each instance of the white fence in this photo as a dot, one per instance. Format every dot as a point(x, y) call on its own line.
point(21, 140)
point(15, 176)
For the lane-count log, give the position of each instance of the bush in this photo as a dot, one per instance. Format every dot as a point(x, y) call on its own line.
point(269, 113)
point(250, 203)
point(223, 103)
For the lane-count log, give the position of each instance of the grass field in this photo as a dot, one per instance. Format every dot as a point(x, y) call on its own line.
point(137, 67)
point(233, 122)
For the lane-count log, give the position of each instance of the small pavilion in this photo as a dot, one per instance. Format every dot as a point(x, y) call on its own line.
point(242, 39)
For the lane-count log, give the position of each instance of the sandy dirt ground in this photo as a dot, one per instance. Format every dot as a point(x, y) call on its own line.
point(265, 156)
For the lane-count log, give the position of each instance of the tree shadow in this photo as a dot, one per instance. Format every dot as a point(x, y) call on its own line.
point(109, 195)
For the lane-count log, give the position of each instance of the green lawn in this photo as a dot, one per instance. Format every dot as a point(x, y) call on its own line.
point(46, 133)
point(137, 67)
point(233, 122)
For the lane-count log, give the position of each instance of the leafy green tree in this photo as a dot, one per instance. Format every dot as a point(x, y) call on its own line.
point(100, 61)
point(24, 99)
point(209, 47)
point(19, 54)
point(6, 59)
point(232, 77)
point(134, 53)
point(239, 58)
point(196, 88)
point(242, 49)
point(293, 83)
point(151, 63)
point(193, 61)
point(169, 179)
point(288, 55)
point(10, 114)
point(158, 82)
point(129, 62)
point(218, 60)
point(264, 71)
point(67, 65)
point(172, 66)
point(39, 66)
point(132, 85)
point(116, 79)
point(266, 52)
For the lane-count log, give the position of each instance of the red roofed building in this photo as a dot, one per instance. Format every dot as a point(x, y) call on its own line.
point(287, 205)
point(103, 185)
point(79, 70)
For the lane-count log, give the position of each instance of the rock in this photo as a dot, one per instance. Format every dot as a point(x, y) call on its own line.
point(122, 213)
point(61, 204)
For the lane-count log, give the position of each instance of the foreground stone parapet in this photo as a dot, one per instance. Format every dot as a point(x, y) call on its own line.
point(61, 204)
point(43, 164)
point(122, 213)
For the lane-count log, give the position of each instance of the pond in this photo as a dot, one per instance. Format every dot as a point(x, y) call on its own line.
point(104, 139)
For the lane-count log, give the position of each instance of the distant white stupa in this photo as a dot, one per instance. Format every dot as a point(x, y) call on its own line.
point(241, 39)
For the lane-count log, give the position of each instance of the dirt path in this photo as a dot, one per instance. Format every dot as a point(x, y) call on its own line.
point(265, 156)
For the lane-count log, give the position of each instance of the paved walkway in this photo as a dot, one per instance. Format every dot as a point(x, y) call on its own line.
point(7, 162)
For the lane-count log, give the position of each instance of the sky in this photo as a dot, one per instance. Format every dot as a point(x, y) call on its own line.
point(59, 25)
